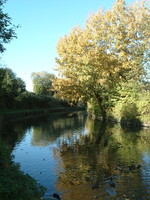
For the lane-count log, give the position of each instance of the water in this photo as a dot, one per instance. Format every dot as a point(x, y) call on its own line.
point(76, 157)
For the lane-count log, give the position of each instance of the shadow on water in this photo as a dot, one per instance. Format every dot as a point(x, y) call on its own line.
point(81, 158)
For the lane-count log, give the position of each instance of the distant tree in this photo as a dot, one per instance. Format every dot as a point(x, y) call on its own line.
point(7, 30)
point(42, 83)
point(20, 85)
point(10, 87)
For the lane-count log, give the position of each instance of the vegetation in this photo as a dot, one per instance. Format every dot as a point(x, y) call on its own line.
point(10, 87)
point(133, 104)
point(42, 83)
point(7, 30)
point(98, 61)
point(14, 184)
point(14, 96)
point(106, 65)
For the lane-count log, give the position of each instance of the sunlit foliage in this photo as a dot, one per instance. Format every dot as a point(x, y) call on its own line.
point(133, 103)
point(42, 83)
point(111, 48)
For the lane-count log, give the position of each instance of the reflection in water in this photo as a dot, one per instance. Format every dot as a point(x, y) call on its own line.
point(84, 159)
point(88, 163)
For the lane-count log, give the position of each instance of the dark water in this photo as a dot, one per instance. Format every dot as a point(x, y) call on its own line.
point(76, 157)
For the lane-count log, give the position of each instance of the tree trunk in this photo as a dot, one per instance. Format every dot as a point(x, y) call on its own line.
point(102, 108)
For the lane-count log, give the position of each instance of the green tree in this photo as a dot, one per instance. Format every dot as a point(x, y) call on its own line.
point(7, 30)
point(113, 47)
point(133, 103)
point(42, 83)
point(10, 87)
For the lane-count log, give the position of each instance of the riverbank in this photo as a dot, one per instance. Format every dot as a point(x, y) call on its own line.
point(143, 121)
point(20, 114)
point(15, 184)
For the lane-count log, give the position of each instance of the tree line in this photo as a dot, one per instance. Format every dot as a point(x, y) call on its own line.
point(13, 93)
point(104, 64)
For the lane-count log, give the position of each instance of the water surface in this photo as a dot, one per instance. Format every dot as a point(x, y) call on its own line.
point(76, 157)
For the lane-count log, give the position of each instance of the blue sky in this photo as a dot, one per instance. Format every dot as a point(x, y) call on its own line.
point(42, 23)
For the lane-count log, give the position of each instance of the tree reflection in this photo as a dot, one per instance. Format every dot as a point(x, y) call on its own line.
point(104, 151)
point(12, 132)
point(89, 152)
point(58, 127)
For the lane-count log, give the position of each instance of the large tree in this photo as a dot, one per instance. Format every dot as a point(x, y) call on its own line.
point(7, 30)
point(42, 83)
point(111, 48)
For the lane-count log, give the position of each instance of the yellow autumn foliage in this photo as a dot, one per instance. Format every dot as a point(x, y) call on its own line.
point(112, 47)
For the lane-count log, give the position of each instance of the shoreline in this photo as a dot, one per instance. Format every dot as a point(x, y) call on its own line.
point(24, 114)
point(129, 123)
point(13, 115)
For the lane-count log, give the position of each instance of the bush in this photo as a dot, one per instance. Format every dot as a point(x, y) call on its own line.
point(133, 105)
point(29, 100)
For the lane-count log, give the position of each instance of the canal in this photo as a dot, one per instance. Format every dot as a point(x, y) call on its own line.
point(81, 158)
